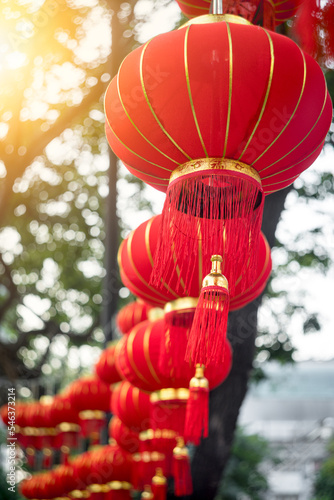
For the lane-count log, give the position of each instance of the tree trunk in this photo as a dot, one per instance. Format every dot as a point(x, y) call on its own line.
point(211, 457)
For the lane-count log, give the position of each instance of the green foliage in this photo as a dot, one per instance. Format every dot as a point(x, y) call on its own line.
point(324, 484)
point(243, 474)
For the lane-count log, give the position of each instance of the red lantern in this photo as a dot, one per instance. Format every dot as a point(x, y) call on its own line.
point(90, 396)
point(138, 357)
point(132, 314)
point(135, 259)
point(124, 437)
point(132, 406)
point(65, 419)
point(270, 13)
point(252, 114)
point(110, 463)
point(105, 368)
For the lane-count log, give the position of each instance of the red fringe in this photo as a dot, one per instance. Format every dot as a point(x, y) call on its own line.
point(307, 24)
point(208, 332)
point(182, 474)
point(168, 415)
point(173, 348)
point(328, 25)
point(223, 213)
point(159, 486)
point(197, 416)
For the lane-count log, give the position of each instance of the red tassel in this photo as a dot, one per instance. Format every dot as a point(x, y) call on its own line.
point(159, 485)
point(47, 458)
point(208, 332)
point(181, 469)
point(31, 457)
point(328, 25)
point(307, 25)
point(215, 206)
point(197, 416)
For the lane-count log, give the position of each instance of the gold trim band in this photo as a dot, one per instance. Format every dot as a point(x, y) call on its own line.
point(169, 394)
point(181, 304)
point(203, 164)
point(217, 18)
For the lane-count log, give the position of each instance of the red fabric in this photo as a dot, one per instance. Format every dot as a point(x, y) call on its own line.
point(268, 89)
point(89, 393)
point(135, 257)
point(124, 437)
point(138, 360)
point(132, 406)
point(274, 12)
point(110, 463)
point(260, 278)
point(62, 410)
point(105, 368)
point(132, 314)
point(119, 495)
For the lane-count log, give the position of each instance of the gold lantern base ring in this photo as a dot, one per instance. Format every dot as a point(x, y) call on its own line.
point(218, 165)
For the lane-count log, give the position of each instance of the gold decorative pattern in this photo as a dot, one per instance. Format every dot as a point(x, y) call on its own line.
point(186, 68)
point(230, 77)
point(202, 164)
point(292, 115)
point(217, 18)
point(181, 304)
point(151, 108)
point(146, 346)
point(271, 72)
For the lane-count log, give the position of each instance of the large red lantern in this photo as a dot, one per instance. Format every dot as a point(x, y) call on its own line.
point(135, 260)
point(105, 368)
point(267, 13)
point(132, 314)
point(217, 125)
point(132, 406)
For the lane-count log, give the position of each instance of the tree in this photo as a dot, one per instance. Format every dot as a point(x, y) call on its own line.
point(324, 484)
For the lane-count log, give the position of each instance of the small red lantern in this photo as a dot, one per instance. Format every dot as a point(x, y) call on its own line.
point(124, 437)
point(90, 396)
point(132, 406)
point(105, 368)
point(132, 314)
point(65, 419)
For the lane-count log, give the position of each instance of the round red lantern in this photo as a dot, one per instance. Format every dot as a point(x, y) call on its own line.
point(268, 13)
point(220, 125)
point(124, 437)
point(132, 406)
point(135, 260)
point(90, 396)
point(105, 368)
point(138, 358)
point(132, 314)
